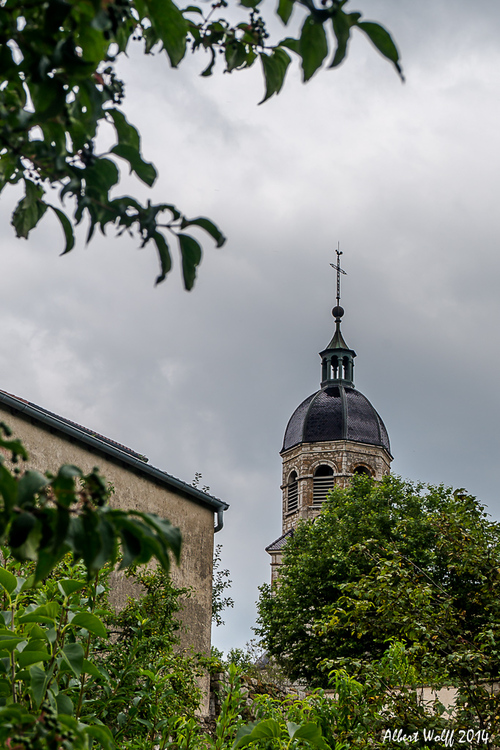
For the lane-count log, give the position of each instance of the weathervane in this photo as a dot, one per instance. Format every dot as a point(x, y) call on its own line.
point(339, 271)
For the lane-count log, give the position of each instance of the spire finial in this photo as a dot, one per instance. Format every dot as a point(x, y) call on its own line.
point(338, 311)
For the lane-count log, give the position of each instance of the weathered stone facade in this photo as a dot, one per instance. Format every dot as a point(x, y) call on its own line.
point(345, 457)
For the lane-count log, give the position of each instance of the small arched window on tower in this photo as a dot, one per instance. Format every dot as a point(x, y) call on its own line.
point(292, 493)
point(322, 484)
point(362, 470)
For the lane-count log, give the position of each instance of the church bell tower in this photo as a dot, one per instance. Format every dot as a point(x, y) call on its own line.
point(332, 435)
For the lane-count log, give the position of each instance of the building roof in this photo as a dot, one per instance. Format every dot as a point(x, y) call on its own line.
point(280, 542)
point(336, 413)
point(110, 450)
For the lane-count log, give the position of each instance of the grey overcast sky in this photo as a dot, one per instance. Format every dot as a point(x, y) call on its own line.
point(405, 176)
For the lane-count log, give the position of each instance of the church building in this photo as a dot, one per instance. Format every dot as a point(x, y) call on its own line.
point(332, 435)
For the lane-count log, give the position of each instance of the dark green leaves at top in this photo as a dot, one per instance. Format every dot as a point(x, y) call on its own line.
point(144, 170)
point(171, 27)
point(29, 210)
point(191, 257)
point(129, 147)
point(274, 67)
point(383, 41)
point(125, 132)
point(285, 9)
point(208, 226)
point(313, 46)
point(342, 23)
point(67, 229)
point(163, 254)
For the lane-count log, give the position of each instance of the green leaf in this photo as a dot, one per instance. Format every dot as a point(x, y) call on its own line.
point(164, 255)
point(191, 257)
point(67, 229)
point(285, 9)
point(68, 586)
point(7, 580)
point(46, 613)
point(126, 132)
point(30, 484)
point(143, 169)
point(274, 67)
point(171, 27)
point(47, 560)
point(91, 623)
point(250, 3)
point(38, 684)
point(169, 534)
point(101, 21)
point(27, 658)
point(91, 669)
point(29, 210)
point(72, 655)
point(208, 70)
point(208, 226)
point(383, 41)
point(309, 731)
point(292, 44)
point(64, 704)
point(235, 55)
point(102, 735)
point(8, 489)
point(100, 177)
point(261, 730)
point(342, 23)
point(10, 641)
point(20, 529)
point(313, 46)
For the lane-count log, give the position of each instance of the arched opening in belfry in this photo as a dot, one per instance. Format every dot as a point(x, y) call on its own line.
point(322, 483)
point(292, 493)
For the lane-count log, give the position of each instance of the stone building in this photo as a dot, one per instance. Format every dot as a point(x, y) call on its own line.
point(332, 435)
point(52, 441)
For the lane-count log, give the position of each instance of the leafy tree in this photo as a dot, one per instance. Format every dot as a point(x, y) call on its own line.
point(58, 86)
point(386, 562)
point(221, 583)
point(72, 672)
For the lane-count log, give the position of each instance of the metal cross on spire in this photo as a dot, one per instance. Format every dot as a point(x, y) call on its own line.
point(339, 271)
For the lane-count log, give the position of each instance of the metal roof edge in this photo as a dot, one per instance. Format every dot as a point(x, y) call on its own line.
point(38, 414)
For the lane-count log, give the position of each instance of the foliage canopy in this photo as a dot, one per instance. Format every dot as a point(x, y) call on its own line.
point(59, 85)
point(385, 562)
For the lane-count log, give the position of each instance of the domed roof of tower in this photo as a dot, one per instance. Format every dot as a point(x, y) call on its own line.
point(338, 411)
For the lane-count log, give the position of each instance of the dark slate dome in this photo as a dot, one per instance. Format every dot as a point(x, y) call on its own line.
point(336, 412)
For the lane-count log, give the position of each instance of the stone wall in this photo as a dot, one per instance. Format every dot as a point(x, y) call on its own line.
point(343, 456)
point(48, 451)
